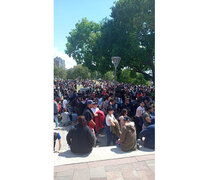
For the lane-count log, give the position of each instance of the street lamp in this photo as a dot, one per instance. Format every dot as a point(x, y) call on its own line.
point(115, 61)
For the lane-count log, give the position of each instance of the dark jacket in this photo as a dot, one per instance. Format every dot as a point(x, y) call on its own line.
point(80, 139)
point(88, 113)
point(55, 108)
point(149, 134)
point(128, 137)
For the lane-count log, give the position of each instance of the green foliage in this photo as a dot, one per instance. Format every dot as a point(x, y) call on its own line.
point(95, 75)
point(78, 71)
point(109, 76)
point(81, 41)
point(137, 78)
point(59, 72)
point(129, 33)
point(133, 34)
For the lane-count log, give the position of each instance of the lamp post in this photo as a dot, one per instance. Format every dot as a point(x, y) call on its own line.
point(115, 61)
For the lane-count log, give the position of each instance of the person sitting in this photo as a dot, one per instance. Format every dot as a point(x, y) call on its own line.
point(99, 117)
point(146, 120)
point(128, 135)
point(147, 137)
point(65, 118)
point(74, 117)
point(80, 138)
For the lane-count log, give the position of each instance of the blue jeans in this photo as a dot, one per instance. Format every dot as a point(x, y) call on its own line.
point(56, 120)
point(110, 137)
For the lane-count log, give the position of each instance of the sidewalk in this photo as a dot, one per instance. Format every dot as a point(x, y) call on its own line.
point(131, 168)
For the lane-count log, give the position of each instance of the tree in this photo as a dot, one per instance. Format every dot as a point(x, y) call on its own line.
point(78, 71)
point(109, 75)
point(129, 34)
point(59, 72)
point(81, 41)
point(133, 34)
point(128, 76)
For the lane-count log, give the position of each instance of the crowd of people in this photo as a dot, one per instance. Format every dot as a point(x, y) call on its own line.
point(126, 115)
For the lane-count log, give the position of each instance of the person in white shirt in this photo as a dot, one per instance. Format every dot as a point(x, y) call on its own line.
point(109, 122)
point(65, 102)
point(95, 107)
point(138, 118)
point(140, 110)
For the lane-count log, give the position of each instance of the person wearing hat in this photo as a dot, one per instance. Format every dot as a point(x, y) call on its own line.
point(128, 135)
point(88, 113)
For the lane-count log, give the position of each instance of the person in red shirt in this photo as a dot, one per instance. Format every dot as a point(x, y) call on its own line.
point(99, 116)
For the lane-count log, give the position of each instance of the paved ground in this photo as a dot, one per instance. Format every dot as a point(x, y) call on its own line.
point(104, 163)
point(133, 168)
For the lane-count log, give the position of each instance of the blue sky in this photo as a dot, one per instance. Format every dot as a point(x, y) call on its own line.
point(68, 12)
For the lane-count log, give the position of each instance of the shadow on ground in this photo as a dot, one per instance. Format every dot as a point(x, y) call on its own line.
point(69, 154)
point(118, 150)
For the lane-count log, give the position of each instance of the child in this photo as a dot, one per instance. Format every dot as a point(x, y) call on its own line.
point(74, 117)
point(57, 136)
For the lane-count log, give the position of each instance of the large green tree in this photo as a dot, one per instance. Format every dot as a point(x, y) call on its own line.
point(81, 41)
point(129, 33)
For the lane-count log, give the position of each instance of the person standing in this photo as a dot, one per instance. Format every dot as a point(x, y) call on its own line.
point(138, 118)
point(65, 103)
point(111, 138)
point(88, 113)
point(56, 113)
point(89, 116)
point(105, 104)
point(57, 136)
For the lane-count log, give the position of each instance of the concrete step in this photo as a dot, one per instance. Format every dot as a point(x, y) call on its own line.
point(98, 154)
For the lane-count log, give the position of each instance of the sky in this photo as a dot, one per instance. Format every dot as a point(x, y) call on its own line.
point(67, 13)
